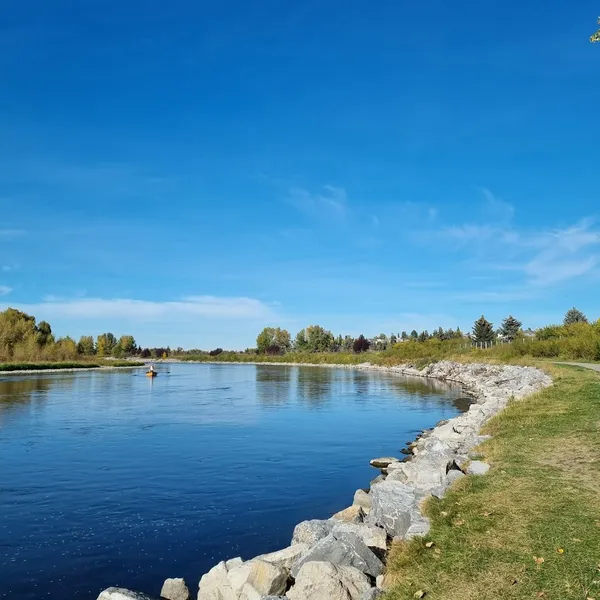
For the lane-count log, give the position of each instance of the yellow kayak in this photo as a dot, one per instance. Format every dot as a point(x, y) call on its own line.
point(151, 373)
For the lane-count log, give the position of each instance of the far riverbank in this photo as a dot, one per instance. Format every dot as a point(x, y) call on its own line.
point(65, 367)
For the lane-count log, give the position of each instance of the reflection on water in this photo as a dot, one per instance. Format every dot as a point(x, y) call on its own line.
point(119, 479)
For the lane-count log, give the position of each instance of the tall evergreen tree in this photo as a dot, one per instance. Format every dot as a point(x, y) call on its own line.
point(574, 316)
point(510, 328)
point(404, 335)
point(414, 335)
point(483, 330)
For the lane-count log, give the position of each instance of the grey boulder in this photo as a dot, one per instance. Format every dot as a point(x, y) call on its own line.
point(478, 467)
point(352, 514)
point(264, 579)
point(383, 462)
point(373, 536)
point(175, 589)
point(342, 548)
point(310, 532)
point(362, 499)
point(321, 580)
point(114, 593)
point(372, 594)
point(285, 558)
point(392, 505)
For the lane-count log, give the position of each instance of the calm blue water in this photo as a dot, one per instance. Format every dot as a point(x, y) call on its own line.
point(117, 479)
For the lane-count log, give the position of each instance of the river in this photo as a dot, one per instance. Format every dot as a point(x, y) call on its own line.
point(113, 478)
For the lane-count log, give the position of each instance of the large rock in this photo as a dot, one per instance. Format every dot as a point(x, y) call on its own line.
point(419, 525)
point(326, 581)
point(362, 499)
point(238, 576)
point(426, 474)
point(175, 589)
point(478, 467)
point(342, 548)
point(372, 594)
point(221, 583)
point(285, 558)
point(115, 593)
point(267, 579)
point(352, 514)
point(392, 503)
point(383, 462)
point(310, 532)
point(233, 562)
point(372, 535)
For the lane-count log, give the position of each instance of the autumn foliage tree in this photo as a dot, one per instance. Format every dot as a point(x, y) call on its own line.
point(361, 344)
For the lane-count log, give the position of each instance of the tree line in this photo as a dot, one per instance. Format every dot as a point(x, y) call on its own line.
point(313, 339)
point(23, 339)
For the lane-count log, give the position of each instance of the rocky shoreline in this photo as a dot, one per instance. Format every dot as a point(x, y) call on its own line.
point(343, 558)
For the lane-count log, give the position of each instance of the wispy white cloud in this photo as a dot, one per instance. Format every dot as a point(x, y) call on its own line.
point(4, 290)
point(495, 209)
point(329, 203)
point(542, 257)
point(208, 307)
point(495, 296)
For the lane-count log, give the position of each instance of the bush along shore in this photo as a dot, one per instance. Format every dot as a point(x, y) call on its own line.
point(41, 367)
point(344, 557)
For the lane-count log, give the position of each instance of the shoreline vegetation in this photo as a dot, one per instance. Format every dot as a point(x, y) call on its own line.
point(30, 346)
point(576, 339)
point(42, 367)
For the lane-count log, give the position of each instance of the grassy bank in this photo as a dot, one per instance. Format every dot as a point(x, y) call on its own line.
point(50, 366)
point(531, 527)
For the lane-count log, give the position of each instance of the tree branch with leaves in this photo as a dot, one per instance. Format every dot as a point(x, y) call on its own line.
point(596, 37)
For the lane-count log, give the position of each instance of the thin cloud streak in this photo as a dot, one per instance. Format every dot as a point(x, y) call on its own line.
point(5, 290)
point(331, 203)
point(210, 307)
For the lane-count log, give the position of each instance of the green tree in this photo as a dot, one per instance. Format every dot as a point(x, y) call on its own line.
point(85, 346)
point(65, 349)
point(574, 315)
point(300, 342)
point(393, 339)
point(510, 328)
point(273, 337)
point(128, 344)
point(414, 335)
point(44, 333)
point(117, 351)
point(348, 343)
point(105, 344)
point(404, 335)
point(16, 328)
point(596, 36)
point(483, 331)
point(318, 339)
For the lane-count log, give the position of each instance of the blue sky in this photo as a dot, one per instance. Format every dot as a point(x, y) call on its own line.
point(190, 172)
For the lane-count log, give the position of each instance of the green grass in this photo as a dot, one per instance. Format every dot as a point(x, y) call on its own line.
point(49, 366)
point(541, 499)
